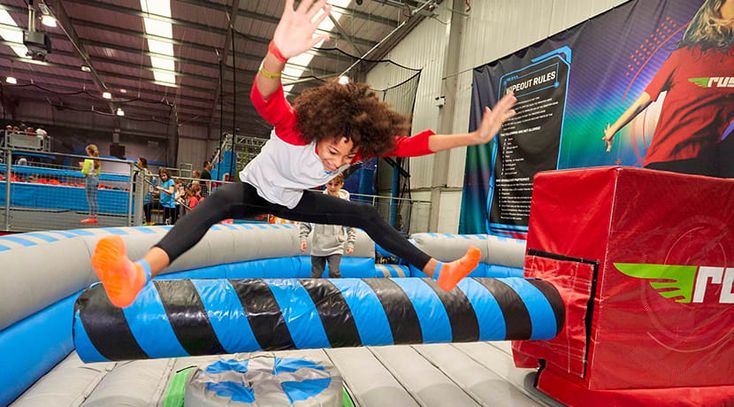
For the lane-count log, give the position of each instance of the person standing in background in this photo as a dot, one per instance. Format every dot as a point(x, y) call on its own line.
point(329, 242)
point(148, 188)
point(167, 190)
point(91, 168)
point(206, 177)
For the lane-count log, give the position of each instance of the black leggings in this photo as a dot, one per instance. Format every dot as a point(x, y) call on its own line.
point(241, 200)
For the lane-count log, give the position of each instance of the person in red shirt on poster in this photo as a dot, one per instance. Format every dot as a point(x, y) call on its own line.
point(327, 129)
point(694, 130)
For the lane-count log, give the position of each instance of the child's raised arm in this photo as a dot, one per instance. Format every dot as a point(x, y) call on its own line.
point(293, 36)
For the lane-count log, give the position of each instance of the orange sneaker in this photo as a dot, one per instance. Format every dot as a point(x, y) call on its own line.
point(122, 279)
point(452, 273)
point(89, 220)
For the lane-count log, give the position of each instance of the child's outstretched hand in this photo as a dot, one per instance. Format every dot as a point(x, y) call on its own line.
point(493, 119)
point(294, 34)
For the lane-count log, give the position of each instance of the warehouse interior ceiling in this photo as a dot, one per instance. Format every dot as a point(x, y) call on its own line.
point(183, 61)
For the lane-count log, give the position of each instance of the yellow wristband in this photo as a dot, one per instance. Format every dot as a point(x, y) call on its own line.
point(270, 75)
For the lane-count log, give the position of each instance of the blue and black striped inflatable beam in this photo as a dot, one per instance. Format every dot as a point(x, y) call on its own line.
point(172, 318)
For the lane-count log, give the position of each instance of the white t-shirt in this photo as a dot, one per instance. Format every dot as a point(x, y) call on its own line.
point(282, 171)
point(288, 164)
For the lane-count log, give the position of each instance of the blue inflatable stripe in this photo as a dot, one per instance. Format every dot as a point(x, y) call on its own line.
point(4, 248)
point(116, 231)
point(19, 240)
point(492, 325)
point(216, 227)
point(229, 365)
point(232, 390)
point(435, 324)
point(226, 315)
point(145, 229)
point(63, 233)
point(154, 335)
point(290, 365)
point(228, 226)
point(542, 318)
point(32, 346)
point(369, 316)
point(42, 236)
point(80, 232)
point(299, 313)
point(84, 347)
point(303, 390)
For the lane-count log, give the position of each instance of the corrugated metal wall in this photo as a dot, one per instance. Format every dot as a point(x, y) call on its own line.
point(492, 29)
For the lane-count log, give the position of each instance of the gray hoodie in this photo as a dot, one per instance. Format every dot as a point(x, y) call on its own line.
point(329, 239)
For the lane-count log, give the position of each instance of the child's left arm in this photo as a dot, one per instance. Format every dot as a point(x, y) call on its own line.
point(427, 142)
point(492, 121)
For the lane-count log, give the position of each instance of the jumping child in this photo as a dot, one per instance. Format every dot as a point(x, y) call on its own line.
point(318, 137)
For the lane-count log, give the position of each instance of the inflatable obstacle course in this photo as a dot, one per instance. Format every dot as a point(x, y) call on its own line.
point(203, 317)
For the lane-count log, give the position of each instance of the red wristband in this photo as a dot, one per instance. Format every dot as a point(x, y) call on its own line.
point(273, 49)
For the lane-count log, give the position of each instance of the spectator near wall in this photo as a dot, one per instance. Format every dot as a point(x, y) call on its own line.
point(206, 176)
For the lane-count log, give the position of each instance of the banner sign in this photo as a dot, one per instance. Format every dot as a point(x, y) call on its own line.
point(653, 77)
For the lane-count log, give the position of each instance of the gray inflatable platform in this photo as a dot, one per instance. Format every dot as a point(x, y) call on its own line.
point(468, 374)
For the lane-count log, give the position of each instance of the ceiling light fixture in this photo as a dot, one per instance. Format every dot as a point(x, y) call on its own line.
point(11, 80)
point(107, 95)
point(48, 20)
point(120, 112)
point(157, 23)
point(86, 68)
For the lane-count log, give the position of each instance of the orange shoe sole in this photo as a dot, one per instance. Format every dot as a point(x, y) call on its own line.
point(121, 278)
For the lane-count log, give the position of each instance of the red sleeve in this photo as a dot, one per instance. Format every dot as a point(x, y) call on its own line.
point(663, 78)
point(414, 146)
point(277, 111)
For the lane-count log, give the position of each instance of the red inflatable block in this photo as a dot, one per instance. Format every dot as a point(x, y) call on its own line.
point(658, 251)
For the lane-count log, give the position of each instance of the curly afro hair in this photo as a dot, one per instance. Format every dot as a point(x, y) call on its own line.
point(352, 111)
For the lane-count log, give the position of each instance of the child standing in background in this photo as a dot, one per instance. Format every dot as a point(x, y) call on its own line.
point(167, 190)
point(193, 197)
point(91, 168)
point(329, 242)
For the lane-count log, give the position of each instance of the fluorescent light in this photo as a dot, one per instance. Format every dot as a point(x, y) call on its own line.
point(120, 112)
point(343, 80)
point(86, 68)
point(123, 90)
point(11, 80)
point(48, 20)
point(107, 95)
point(168, 84)
point(11, 35)
point(158, 25)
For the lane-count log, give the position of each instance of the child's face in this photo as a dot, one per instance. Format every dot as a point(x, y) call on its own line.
point(334, 186)
point(336, 152)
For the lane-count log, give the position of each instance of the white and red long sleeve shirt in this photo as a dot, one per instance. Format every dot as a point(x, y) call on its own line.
point(287, 164)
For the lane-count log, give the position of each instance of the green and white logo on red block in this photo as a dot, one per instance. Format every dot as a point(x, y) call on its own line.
point(684, 284)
